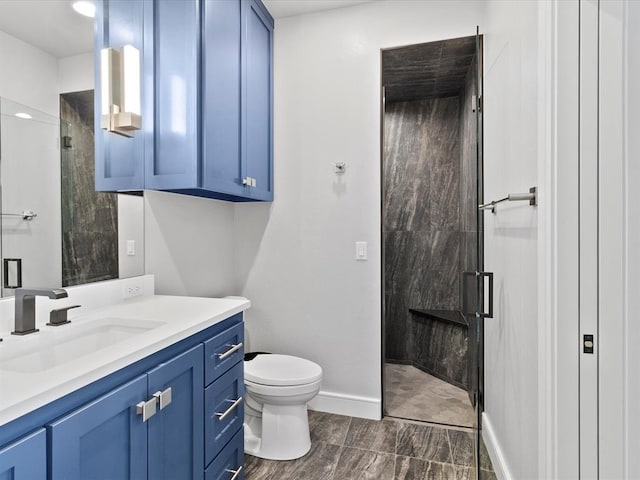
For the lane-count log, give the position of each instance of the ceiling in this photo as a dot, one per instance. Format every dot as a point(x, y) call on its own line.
point(50, 25)
point(290, 8)
point(427, 70)
point(53, 26)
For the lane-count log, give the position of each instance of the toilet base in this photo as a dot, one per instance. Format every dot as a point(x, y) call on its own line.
point(280, 433)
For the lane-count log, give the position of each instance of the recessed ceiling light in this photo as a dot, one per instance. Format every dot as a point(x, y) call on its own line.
point(88, 9)
point(26, 116)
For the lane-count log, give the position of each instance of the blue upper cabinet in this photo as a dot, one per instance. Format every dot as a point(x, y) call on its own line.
point(118, 159)
point(257, 99)
point(207, 80)
point(176, 99)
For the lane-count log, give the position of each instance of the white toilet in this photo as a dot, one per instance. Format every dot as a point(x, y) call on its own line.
point(278, 387)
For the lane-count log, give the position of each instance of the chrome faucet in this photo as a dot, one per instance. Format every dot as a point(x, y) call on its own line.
point(26, 307)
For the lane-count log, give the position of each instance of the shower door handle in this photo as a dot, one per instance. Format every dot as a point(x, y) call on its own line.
point(465, 296)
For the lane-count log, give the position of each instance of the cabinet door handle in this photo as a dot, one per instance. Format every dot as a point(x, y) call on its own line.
point(164, 398)
point(235, 472)
point(146, 409)
point(234, 348)
point(223, 415)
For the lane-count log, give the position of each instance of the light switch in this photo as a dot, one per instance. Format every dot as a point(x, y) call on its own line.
point(131, 247)
point(361, 250)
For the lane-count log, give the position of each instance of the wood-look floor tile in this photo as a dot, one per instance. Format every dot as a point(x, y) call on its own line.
point(408, 468)
point(259, 469)
point(465, 473)
point(319, 464)
point(440, 471)
point(462, 448)
point(329, 428)
point(488, 475)
point(485, 460)
point(357, 464)
point(379, 436)
point(425, 442)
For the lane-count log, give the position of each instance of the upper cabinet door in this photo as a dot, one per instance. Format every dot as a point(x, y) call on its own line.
point(257, 98)
point(221, 97)
point(176, 116)
point(119, 160)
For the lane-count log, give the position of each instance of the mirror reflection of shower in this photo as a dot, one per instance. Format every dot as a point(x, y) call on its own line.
point(429, 229)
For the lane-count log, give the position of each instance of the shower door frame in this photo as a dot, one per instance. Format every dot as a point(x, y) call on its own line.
point(478, 362)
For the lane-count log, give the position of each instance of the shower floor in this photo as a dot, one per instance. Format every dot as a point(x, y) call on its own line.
point(413, 394)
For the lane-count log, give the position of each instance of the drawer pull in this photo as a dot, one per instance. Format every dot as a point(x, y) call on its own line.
point(146, 409)
point(222, 416)
point(235, 472)
point(164, 398)
point(234, 348)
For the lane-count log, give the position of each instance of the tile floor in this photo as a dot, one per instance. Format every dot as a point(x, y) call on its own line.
point(416, 395)
point(347, 448)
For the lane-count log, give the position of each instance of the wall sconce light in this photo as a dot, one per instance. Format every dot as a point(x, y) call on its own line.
point(120, 78)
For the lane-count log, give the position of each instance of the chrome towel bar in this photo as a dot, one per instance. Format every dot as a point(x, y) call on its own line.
point(26, 215)
point(530, 197)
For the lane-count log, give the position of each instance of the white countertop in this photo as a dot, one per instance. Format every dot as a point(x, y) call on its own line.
point(173, 319)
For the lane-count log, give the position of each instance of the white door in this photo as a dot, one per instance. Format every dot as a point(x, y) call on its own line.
point(609, 238)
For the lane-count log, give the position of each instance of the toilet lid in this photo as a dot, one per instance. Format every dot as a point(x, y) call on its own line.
point(281, 370)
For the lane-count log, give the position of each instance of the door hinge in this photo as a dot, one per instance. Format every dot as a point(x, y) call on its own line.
point(476, 103)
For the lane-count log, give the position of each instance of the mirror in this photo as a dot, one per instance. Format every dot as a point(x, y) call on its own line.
point(75, 235)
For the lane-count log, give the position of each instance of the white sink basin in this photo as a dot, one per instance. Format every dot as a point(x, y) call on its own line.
point(49, 349)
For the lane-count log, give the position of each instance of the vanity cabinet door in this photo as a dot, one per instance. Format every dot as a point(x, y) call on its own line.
point(176, 432)
point(25, 459)
point(119, 160)
point(103, 440)
point(257, 97)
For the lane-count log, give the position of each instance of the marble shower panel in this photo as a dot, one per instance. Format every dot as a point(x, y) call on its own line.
point(422, 216)
point(89, 219)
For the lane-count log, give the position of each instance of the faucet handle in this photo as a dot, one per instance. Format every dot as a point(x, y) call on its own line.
point(58, 316)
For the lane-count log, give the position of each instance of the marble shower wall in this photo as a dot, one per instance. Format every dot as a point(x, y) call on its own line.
point(430, 230)
point(89, 218)
point(421, 221)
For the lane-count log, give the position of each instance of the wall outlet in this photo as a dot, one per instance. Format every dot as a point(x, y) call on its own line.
point(132, 290)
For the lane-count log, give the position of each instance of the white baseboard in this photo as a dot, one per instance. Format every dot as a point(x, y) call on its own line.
point(500, 465)
point(350, 405)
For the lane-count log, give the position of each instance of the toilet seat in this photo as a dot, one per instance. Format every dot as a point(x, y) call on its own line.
point(281, 370)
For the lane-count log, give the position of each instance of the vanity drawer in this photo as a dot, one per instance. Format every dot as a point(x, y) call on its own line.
point(222, 352)
point(224, 410)
point(230, 460)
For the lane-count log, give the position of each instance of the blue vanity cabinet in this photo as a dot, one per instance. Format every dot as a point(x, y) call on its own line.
point(25, 459)
point(103, 440)
point(175, 433)
point(109, 439)
point(257, 99)
point(119, 160)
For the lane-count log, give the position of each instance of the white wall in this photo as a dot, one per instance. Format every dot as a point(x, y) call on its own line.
point(76, 73)
point(189, 244)
point(511, 165)
point(295, 258)
point(29, 75)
